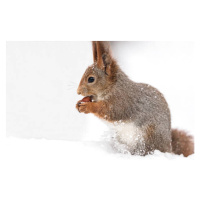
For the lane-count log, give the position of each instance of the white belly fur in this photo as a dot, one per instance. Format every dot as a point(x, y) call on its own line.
point(130, 135)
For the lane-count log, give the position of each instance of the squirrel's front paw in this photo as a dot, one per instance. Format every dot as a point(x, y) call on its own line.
point(83, 107)
point(78, 104)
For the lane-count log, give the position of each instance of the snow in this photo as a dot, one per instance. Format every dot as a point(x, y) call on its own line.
point(60, 169)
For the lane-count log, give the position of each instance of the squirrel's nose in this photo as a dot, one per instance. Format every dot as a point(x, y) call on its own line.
point(78, 92)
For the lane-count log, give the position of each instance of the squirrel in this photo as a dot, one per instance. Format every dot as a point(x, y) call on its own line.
point(138, 112)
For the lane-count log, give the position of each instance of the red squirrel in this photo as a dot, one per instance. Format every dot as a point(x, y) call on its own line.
point(138, 111)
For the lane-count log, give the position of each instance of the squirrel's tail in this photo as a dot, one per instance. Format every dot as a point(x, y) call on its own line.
point(182, 143)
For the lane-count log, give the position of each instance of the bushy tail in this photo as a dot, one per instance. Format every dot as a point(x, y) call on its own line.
point(182, 143)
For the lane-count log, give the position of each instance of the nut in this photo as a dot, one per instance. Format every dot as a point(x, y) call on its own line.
point(86, 99)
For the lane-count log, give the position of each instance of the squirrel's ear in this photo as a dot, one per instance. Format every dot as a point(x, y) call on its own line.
point(94, 49)
point(102, 55)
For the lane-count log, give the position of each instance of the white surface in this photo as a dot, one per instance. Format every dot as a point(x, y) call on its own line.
point(43, 169)
point(42, 78)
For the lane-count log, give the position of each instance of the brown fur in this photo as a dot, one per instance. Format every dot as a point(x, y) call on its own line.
point(150, 138)
point(100, 109)
point(141, 107)
point(94, 49)
point(182, 143)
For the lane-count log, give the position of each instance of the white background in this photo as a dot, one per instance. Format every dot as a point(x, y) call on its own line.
point(55, 169)
point(42, 79)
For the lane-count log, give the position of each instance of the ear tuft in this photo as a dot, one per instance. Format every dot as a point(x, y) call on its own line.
point(107, 62)
point(106, 59)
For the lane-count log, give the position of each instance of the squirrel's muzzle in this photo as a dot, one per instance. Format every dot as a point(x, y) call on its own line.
point(78, 91)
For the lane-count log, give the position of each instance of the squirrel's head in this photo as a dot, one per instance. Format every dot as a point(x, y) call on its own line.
point(100, 76)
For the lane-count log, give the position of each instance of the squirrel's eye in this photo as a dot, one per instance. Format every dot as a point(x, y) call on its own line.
point(90, 79)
